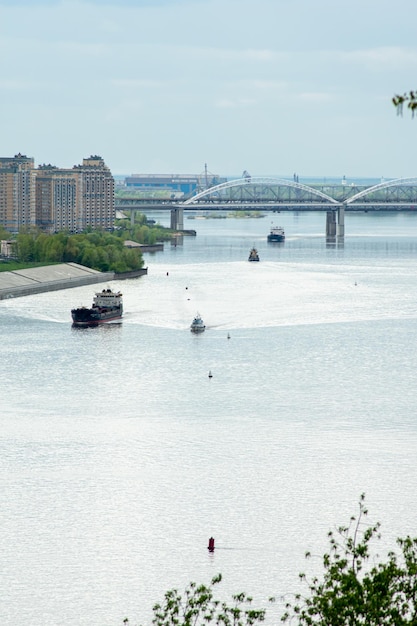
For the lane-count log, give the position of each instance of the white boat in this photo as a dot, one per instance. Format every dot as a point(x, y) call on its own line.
point(277, 234)
point(197, 325)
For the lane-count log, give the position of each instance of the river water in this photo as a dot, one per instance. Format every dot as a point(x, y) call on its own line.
point(120, 457)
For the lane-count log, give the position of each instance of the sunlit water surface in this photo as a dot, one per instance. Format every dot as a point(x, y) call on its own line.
point(120, 457)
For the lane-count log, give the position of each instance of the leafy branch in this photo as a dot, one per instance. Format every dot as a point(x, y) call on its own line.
point(353, 591)
point(355, 588)
point(410, 99)
point(197, 606)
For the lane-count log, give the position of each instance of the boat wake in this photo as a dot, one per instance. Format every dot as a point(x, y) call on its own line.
point(232, 296)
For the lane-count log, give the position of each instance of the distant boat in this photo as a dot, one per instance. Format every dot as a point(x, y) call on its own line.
point(107, 307)
point(253, 255)
point(277, 233)
point(197, 325)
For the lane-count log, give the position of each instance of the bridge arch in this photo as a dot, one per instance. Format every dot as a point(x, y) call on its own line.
point(397, 182)
point(249, 184)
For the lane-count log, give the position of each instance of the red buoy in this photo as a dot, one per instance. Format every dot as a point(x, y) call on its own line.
point(211, 545)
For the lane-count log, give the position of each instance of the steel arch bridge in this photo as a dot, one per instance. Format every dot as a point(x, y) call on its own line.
point(280, 194)
point(248, 192)
point(398, 194)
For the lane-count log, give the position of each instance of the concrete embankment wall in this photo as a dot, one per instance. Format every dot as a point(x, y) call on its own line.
point(54, 277)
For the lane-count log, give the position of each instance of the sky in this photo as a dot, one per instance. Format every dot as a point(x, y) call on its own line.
point(273, 87)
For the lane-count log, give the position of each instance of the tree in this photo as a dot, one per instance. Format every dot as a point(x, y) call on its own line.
point(25, 247)
point(197, 607)
point(4, 234)
point(410, 98)
point(356, 589)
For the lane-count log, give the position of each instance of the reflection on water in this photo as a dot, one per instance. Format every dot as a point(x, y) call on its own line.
point(120, 457)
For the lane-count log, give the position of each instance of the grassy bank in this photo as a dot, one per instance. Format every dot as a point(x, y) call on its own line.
point(13, 266)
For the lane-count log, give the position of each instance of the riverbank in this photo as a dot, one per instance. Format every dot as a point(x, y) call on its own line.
point(33, 280)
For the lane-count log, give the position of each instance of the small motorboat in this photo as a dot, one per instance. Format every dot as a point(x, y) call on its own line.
point(197, 325)
point(277, 234)
point(253, 255)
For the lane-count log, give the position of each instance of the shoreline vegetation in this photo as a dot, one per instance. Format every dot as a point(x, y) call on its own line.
point(217, 215)
point(355, 586)
point(98, 250)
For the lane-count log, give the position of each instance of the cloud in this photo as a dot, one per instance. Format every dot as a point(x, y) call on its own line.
point(316, 97)
point(17, 85)
point(383, 58)
point(112, 3)
point(152, 70)
point(133, 83)
point(236, 103)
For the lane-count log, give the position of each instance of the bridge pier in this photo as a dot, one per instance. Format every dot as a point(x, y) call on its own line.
point(341, 221)
point(334, 228)
point(331, 224)
point(177, 218)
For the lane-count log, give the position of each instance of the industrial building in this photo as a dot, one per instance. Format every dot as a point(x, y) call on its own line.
point(183, 184)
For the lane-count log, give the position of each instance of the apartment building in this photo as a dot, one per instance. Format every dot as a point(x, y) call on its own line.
point(16, 192)
point(97, 194)
point(55, 199)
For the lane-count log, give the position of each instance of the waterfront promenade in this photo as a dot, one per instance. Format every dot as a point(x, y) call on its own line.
point(33, 280)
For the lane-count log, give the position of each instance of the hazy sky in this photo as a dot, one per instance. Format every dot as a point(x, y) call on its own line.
point(164, 86)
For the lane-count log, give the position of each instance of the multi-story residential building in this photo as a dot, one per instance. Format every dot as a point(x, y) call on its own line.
point(16, 192)
point(55, 199)
point(58, 199)
point(97, 191)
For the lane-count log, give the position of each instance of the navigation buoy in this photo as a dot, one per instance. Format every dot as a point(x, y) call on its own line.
point(210, 374)
point(211, 545)
point(228, 335)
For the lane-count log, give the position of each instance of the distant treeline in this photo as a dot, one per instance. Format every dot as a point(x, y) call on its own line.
point(142, 231)
point(98, 250)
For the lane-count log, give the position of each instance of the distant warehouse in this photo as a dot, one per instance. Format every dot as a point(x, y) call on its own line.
point(183, 184)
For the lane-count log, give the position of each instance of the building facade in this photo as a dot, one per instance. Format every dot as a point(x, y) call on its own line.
point(97, 194)
point(55, 199)
point(184, 184)
point(16, 192)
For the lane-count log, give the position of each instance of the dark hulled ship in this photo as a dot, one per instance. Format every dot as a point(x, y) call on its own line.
point(107, 307)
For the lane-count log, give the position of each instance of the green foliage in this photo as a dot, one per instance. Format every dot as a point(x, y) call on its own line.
point(4, 234)
point(409, 98)
point(356, 589)
point(13, 266)
point(99, 250)
point(25, 247)
point(142, 193)
point(141, 231)
point(197, 607)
